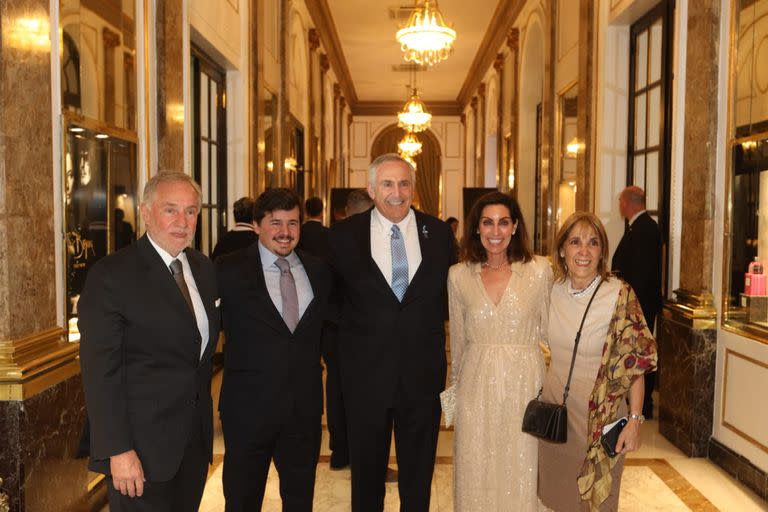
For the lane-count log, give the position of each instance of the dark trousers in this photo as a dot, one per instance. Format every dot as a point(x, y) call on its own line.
point(334, 400)
point(180, 494)
point(416, 427)
point(650, 378)
point(250, 444)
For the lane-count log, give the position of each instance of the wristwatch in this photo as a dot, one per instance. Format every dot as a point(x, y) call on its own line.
point(638, 417)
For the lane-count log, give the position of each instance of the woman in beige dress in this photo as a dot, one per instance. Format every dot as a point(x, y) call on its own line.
point(498, 297)
point(615, 350)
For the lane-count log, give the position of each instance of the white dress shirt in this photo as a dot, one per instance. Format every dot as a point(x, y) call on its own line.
point(272, 279)
point(381, 243)
point(197, 303)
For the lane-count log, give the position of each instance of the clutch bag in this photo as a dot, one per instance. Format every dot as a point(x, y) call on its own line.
point(610, 436)
point(448, 403)
point(546, 421)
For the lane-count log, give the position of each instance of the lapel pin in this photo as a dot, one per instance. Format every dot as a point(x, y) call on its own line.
point(424, 231)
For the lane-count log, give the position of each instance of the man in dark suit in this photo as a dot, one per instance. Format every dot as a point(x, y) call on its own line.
point(149, 320)
point(314, 236)
point(242, 235)
point(637, 260)
point(314, 240)
point(274, 303)
point(391, 265)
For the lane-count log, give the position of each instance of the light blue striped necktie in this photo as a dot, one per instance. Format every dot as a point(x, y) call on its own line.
point(399, 264)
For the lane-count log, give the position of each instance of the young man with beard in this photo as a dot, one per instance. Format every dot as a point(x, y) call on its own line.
point(273, 302)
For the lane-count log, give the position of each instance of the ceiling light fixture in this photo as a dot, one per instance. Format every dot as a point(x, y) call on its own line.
point(414, 117)
point(409, 145)
point(426, 39)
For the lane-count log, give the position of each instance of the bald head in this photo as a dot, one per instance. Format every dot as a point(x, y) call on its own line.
point(631, 201)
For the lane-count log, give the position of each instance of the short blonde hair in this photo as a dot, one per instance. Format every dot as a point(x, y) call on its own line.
point(586, 219)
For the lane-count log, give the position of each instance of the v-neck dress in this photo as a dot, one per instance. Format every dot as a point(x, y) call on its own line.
point(497, 367)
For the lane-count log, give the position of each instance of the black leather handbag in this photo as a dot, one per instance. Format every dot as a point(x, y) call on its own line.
point(549, 421)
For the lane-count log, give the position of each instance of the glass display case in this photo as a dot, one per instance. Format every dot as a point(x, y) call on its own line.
point(745, 295)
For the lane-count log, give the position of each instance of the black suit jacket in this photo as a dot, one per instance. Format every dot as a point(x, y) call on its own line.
point(267, 369)
point(638, 261)
point(146, 386)
point(314, 239)
point(390, 352)
point(233, 241)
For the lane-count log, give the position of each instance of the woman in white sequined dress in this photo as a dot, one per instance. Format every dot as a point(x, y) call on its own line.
point(499, 299)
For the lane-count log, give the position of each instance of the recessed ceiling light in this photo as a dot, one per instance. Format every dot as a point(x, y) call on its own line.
point(77, 129)
point(102, 136)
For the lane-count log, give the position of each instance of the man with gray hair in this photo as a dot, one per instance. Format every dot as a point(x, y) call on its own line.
point(358, 201)
point(391, 265)
point(637, 260)
point(149, 321)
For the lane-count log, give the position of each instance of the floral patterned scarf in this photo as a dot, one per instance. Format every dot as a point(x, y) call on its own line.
point(629, 351)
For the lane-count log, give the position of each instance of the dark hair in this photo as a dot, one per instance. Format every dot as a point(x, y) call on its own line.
point(358, 201)
point(313, 207)
point(451, 220)
point(243, 209)
point(276, 199)
point(472, 248)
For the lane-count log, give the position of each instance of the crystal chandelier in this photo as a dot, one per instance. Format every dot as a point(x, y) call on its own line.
point(409, 145)
point(409, 159)
point(414, 116)
point(426, 39)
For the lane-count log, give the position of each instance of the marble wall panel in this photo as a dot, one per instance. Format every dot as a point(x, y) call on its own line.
point(686, 385)
point(170, 86)
point(739, 467)
point(699, 155)
point(40, 437)
point(26, 210)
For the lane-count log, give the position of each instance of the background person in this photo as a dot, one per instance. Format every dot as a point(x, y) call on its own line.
point(498, 302)
point(358, 201)
point(616, 349)
point(242, 235)
point(637, 260)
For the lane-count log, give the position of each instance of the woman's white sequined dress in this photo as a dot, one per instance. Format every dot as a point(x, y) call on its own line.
point(497, 366)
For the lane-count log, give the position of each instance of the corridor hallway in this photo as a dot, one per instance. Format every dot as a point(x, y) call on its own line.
point(658, 477)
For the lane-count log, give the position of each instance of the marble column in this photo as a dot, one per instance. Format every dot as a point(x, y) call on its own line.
point(585, 119)
point(687, 330)
point(41, 403)
point(513, 42)
point(498, 66)
point(170, 85)
point(480, 136)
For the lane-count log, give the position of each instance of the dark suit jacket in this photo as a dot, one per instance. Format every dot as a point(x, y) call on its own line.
point(314, 239)
point(145, 384)
point(267, 369)
point(638, 261)
point(233, 241)
point(390, 352)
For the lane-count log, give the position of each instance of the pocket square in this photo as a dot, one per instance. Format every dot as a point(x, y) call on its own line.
point(217, 303)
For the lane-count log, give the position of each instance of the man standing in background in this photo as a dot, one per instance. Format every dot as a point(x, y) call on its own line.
point(242, 235)
point(637, 260)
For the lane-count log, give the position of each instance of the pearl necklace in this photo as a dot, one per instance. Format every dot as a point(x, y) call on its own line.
point(591, 286)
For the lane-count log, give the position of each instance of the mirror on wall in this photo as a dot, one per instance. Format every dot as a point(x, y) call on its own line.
point(570, 147)
point(751, 80)
point(98, 60)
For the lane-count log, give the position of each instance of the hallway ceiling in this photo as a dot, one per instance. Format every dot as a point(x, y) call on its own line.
point(366, 32)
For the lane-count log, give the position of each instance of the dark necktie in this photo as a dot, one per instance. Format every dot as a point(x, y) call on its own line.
point(399, 264)
point(288, 294)
point(178, 275)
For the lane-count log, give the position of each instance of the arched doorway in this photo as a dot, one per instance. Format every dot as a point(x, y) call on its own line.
point(428, 165)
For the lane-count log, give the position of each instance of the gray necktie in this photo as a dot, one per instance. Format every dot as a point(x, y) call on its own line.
point(288, 294)
point(178, 275)
point(399, 263)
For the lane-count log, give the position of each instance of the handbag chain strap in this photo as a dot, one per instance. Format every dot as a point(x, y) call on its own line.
point(576, 342)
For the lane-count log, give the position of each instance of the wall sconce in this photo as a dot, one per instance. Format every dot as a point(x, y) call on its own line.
point(511, 179)
point(175, 112)
point(290, 164)
point(573, 148)
point(29, 34)
point(270, 166)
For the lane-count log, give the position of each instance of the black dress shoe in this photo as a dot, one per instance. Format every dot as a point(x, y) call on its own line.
point(339, 461)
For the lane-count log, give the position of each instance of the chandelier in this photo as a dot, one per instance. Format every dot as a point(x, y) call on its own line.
point(409, 145)
point(414, 116)
point(409, 159)
point(426, 39)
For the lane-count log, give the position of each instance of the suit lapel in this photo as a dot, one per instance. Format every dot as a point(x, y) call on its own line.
point(314, 281)
point(162, 278)
point(364, 239)
point(427, 247)
point(205, 288)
